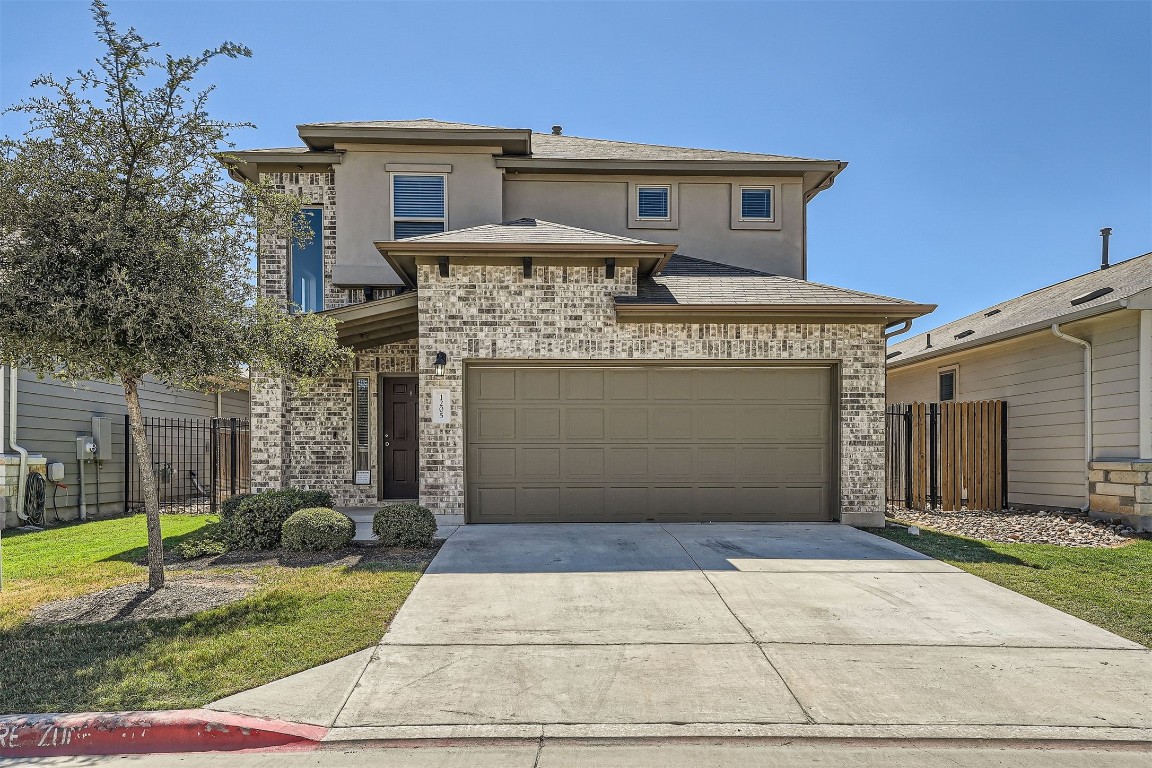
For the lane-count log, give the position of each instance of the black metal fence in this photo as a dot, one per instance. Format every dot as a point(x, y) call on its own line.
point(198, 462)
point(948, 456)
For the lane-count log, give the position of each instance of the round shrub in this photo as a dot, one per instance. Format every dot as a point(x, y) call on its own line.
point(256, 521)
point(317, 529)
point(404, 525)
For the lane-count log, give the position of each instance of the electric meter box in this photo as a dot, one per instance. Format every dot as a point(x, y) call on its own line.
point(102, 434)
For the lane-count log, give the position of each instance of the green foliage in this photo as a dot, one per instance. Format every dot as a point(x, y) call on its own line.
point(124, 249)
point(404, 525)
point(230, 505)
point(200, 546)
point(317, 529)
point(255, 522)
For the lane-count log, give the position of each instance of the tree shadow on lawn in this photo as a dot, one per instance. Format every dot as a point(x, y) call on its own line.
point(948, 547)
point(77, 667)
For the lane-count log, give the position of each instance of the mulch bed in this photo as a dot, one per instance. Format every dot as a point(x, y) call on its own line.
point(133, 602)
point(341, 558)
point(1017, 526)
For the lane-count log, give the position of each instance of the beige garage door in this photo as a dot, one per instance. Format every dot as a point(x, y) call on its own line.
point(574, 443)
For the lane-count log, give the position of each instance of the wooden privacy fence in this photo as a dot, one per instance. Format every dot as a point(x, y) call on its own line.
point(948, 455)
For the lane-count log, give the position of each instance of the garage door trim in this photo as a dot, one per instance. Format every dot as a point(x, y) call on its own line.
point(832, 365)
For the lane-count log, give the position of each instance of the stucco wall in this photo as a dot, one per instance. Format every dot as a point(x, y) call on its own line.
point(566, 313)
point(704, 231)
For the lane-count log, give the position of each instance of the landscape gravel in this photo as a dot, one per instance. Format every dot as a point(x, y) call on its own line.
point(1017, 526)
point(133, 602)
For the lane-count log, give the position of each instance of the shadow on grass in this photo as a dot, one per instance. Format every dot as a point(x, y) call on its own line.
point(943, 546)
point(139, 555)
point(71, 667)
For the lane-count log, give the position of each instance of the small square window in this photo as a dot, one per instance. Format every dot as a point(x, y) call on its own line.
point(947, 385)
point(652, 203)
point(419, 205)
point(756, 204)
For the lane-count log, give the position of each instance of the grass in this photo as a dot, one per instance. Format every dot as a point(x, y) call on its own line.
point(1111, 587)
point(297, 618)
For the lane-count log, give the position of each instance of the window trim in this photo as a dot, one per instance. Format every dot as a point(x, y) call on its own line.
point(673, 219)
point(737, 219)
point(771, 188)
point(392, 219)
point(667, 202)
point(955, 371)
point(318, 237)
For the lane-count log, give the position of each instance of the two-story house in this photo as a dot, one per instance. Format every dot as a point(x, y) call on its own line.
point(552, 328)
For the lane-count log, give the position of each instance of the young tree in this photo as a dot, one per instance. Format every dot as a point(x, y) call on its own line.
point(125, 253)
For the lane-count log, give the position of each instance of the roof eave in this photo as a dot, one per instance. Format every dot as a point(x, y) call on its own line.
point(246, 163)
point(375, 323)
point(512, 141)
point(628, 311)
point(680, 167)
point(1012, 333)
point(401, 255)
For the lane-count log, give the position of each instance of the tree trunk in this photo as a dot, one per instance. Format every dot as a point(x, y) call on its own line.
point(147, 485)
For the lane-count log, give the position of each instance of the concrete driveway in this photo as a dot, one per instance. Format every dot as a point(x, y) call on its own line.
point(644, 628)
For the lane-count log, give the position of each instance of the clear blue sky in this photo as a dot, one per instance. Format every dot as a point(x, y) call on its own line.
point(988, 141)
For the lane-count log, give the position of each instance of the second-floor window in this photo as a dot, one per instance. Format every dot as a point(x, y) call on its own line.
point(306, 270)
point(652, 203)
point(756, 204)
point(947, 385)
point(418, 205)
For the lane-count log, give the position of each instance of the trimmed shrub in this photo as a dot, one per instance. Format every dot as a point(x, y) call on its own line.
point(404, 525)
point(256, 521)
point(317, 529)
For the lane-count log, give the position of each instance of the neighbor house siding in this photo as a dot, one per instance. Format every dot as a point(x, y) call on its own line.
point(1042, 379)
point(52, 414)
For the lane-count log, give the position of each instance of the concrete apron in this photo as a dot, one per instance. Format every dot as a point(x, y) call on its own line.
point(682, 631)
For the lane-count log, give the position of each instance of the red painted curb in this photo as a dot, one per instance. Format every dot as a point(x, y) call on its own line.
point(178, 730)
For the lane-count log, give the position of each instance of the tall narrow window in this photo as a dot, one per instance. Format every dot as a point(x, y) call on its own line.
point(948, 385)
point(306, 272)
point(418, 205)
point(361, 432)
point(652, 203)
point(756, 204)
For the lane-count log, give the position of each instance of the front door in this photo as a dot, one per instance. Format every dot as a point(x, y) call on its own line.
point(400, 443)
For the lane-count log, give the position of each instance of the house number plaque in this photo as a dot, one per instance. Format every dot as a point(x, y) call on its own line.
point(441, 406)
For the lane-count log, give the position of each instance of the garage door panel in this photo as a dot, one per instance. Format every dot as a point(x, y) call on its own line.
point(675, 443)
point(626, 463)
point(585, 464)
point(585, 423)
point(538, 384)
point(628, 423)
point(539, 424)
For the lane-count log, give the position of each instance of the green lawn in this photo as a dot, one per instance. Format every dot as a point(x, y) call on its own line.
point(1111, 588)
point(298, 617)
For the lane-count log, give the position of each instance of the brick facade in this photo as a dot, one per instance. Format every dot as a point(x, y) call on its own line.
point(1121, 489)
point(567, 313)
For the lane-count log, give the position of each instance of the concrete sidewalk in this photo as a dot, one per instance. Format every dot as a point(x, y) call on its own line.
point(560, 631)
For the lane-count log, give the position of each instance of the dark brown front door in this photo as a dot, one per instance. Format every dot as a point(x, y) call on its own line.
point(400, 443)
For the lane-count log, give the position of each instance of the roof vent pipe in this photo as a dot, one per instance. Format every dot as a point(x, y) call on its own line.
point(557, 130)
point(927, 341)
point(1104, 235)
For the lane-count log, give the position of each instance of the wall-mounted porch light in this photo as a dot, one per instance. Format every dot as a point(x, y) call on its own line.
point(441, 361)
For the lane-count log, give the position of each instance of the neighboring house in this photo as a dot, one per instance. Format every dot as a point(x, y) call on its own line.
point(551, 328)
point(51, 414)
point(1011, 351)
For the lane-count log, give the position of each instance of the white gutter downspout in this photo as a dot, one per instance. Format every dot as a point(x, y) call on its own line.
point(1088, 431)
point(1145, 389)
point(22, 480)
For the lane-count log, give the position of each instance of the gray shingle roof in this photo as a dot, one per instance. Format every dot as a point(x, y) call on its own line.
point(1043, 306)
point(690, 281)
point(526, 231)
point(547, 145)
point(423, 122)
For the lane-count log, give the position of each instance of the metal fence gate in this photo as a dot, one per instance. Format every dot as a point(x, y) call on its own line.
point(948, 455)
point(198, 462)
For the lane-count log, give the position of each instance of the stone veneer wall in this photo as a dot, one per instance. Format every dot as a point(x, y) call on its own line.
point(1122, 488)
point(567, 312)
